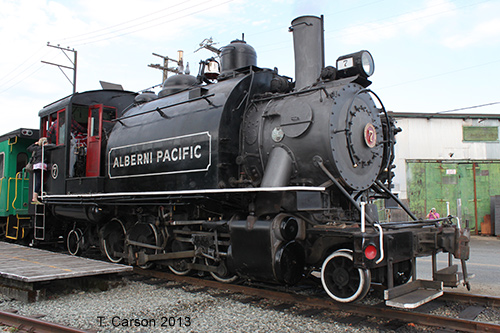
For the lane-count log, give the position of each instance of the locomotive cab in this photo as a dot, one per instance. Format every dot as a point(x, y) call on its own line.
point(77, 128)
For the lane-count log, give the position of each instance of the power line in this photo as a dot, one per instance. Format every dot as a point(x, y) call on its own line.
point(71, 39)
point(14, 70)
point(438, 75)
point(24, 78)
point(401, 22)
point(470, 107)
point(149, 26)
point(20, 78)
point(334, 32)
point(210, 6)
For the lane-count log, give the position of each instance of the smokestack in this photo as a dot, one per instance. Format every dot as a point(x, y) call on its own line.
point(308, 46)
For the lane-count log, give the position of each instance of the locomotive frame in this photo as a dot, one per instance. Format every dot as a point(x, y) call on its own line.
point(244, 175)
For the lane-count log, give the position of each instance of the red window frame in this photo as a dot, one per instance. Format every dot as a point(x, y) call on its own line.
point(47, 123)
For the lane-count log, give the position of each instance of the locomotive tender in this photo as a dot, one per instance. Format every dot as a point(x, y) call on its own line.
point(243, 174)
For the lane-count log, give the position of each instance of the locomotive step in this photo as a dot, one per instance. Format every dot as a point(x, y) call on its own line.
point(413, 294)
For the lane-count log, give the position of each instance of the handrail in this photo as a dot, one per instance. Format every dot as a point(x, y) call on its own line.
point(18, 218)
point(22, 188)
point(1, 183)
point(159, 110)
point(12, 144)
point(8, 194)
point(41, 172)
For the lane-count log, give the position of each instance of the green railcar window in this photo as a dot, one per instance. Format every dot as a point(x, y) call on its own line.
point(2, 155)
point(480, 133)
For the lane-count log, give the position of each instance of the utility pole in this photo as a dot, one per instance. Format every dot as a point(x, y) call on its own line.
point(180, 64)
point(73, 62)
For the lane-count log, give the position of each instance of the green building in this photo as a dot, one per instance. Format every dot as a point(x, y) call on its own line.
point(450, 162)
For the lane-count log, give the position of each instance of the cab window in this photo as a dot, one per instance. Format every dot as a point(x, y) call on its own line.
point(54, 127)
point(61, 127)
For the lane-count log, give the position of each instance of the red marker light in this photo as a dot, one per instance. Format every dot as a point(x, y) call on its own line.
point(370, 252)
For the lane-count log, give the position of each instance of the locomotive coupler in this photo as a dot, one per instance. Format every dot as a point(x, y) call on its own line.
point(462, 252)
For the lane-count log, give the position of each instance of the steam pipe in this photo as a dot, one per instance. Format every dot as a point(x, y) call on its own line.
point(278, 169)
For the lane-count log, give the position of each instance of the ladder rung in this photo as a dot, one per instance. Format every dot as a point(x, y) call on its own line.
point(39, 224)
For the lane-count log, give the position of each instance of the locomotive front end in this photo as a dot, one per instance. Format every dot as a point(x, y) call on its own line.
point(330, 131)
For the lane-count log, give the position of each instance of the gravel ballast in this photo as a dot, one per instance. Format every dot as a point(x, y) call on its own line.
point(139, 307)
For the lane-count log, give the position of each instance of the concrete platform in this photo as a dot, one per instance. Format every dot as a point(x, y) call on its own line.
point(25, 272)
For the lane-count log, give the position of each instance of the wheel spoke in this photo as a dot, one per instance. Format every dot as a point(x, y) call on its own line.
point(113, 240)
point(146, 234)
point(180, 265)
point(341, 280)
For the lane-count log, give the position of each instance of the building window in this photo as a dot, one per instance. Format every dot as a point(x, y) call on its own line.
point(480, 133)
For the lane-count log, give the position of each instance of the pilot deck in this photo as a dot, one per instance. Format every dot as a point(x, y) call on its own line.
point(24, 270)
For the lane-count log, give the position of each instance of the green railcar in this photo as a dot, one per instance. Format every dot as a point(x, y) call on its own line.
point(15, 193)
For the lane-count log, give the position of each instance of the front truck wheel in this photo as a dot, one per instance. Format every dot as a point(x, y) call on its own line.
point(341, 280)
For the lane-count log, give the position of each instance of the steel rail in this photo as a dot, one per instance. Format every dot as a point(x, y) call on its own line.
point(471, 299)
point(365, 310)
point(27, 324)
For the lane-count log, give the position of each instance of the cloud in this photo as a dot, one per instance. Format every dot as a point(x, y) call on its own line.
point(411, 23)
point(483, 33)
point(302, 7)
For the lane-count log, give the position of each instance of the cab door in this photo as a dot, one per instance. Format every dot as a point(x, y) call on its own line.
point(100, 118)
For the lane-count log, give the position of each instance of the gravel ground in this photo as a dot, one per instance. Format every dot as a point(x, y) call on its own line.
point(138, 307)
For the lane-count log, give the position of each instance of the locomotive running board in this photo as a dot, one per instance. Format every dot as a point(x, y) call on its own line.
point(413, 294)
point(184, 192)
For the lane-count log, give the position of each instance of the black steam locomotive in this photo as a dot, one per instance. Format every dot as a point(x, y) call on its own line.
point(242, 173)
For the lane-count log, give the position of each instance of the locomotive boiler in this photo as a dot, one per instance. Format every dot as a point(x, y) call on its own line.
point(244, 173)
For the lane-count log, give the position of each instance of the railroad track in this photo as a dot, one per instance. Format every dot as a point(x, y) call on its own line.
point(34, 325)
point(420, 316)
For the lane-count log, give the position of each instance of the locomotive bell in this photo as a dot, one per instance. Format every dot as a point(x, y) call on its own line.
point(212, 69)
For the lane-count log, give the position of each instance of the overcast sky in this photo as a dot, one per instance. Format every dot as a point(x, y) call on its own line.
point(430, 55)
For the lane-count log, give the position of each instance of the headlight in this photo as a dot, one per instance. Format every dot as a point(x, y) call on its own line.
point(359, 63)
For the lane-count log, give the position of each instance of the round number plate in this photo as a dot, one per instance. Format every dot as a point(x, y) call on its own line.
point(370, 135)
